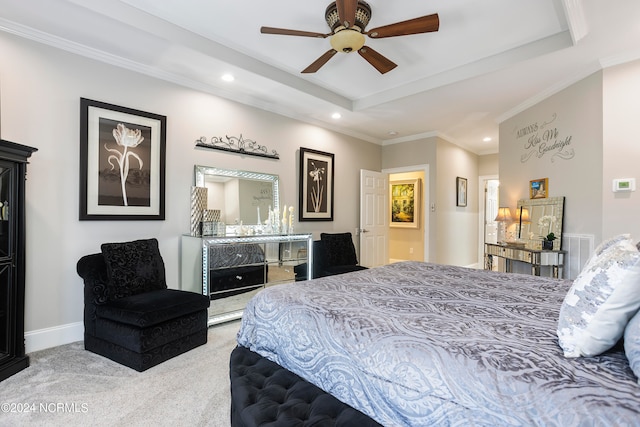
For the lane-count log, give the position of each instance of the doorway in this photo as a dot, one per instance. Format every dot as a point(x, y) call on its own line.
point(411, 244)
point(489, 202)
point(370, 243)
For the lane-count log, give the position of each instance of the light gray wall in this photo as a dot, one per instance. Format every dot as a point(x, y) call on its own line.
point(575, 171)
point(621, 153)
point(457, 238)
point(41, 89)
point(489, 164)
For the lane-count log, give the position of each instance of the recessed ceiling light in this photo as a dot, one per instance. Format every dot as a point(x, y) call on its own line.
point(392, 133)
point(228, 77)
point(487, 139)
point(336, 116)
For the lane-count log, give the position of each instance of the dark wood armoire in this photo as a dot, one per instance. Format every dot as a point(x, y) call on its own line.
point(13, 169)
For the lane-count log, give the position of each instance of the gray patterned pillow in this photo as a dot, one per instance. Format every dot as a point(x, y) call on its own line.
point(601, 301)
point(632, 344)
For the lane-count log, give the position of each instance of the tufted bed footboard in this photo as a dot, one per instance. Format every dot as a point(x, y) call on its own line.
point(264, 393)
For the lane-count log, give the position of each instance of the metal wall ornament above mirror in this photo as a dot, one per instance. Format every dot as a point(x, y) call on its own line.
point(239, 145)
point(255, 194)
point(545, 217)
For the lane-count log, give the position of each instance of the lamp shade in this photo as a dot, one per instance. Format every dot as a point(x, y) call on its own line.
point(524, 215)
point(504, 214)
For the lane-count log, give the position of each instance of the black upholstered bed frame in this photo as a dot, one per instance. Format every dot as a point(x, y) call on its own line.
point(264, 393)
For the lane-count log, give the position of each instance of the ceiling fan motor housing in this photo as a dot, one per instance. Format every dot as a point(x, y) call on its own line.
point(363, 16)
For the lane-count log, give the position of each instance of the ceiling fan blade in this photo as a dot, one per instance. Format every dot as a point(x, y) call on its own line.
point(315, 66)
point(381, 63)
point(347, 11)
point(424, 24)
point(285, 32)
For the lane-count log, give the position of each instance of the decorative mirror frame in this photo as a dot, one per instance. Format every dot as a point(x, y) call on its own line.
point(553, 206)
point(202, 171)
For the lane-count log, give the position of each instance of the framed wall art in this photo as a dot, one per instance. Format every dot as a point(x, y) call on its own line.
point(539, 188)
point(461, 191)
point(122, 163)
point(316, 185)
point(405, 203)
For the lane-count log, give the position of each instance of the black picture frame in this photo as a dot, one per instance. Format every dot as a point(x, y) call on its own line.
point(461, 191)
point(315, 202)
point(115, 143)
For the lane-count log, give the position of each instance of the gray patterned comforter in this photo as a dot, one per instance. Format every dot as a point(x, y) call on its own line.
point(418, 344)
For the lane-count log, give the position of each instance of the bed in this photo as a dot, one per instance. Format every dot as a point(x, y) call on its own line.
point(417, 344)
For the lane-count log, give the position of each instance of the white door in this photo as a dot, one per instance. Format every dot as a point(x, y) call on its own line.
point(490, 211)
point(374, 187)
point(489, 225)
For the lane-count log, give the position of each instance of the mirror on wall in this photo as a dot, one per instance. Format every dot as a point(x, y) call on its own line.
point(240, 196)
point(545, 216)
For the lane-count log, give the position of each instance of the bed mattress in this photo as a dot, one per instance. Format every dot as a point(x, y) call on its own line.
point(415, 344)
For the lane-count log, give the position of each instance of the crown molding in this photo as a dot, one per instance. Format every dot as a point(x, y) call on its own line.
point(586, 72)
point(576, 20)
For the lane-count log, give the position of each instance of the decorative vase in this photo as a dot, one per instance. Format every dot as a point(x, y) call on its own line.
point(547, 245)
point(198, 206)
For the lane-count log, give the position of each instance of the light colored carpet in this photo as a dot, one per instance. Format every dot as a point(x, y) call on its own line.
point(69, 386)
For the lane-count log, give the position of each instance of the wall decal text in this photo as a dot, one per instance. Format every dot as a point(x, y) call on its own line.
point(542, 140)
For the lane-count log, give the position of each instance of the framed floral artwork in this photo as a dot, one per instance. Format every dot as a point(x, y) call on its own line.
point(122, 163)
point(316, 186)
point(405, 203)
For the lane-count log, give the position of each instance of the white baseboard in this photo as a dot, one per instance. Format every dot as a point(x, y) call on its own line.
point(53, 337)
point(394, 260)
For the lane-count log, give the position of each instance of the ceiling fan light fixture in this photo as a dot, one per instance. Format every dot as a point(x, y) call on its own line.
point(347, 20)
point(347, 41)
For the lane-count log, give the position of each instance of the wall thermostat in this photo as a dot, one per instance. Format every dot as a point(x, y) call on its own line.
point(624, 184)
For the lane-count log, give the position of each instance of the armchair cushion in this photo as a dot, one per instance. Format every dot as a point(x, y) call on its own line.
point(133, 268)
point(152, 308)
point(338, 249)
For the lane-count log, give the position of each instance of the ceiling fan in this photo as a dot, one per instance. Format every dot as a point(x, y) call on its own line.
point(347, 20)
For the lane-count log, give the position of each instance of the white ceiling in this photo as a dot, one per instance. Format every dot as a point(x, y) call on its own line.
point(489, 59)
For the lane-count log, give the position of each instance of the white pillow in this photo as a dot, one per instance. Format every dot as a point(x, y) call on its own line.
point(602, 299)
point(632, 344)
point(603, 246)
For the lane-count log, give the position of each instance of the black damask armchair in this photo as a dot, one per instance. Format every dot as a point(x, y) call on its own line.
point(129, 314)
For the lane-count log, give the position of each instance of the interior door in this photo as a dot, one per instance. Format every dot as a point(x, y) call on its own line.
point(490, 226)
point(374, 241)
point(491, 210)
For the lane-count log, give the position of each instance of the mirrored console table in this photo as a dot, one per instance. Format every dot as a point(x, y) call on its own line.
point(535, 258)
point(231, 270)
